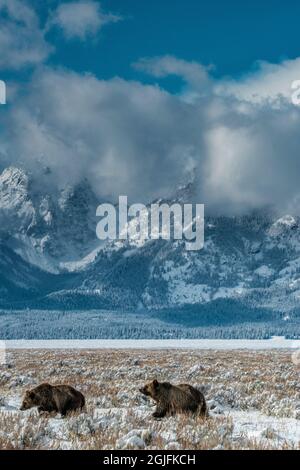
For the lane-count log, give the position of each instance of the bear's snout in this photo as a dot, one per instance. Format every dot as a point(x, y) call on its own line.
point(144, 391)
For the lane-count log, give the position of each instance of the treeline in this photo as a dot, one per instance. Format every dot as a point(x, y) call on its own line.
point(115, 325)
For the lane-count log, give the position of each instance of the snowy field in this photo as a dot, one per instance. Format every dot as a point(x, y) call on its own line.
point(277, 342)
point(253, 396)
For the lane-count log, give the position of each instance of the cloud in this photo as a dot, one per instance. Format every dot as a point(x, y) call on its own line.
point(250, 133)
point(126, 138)
point(80, 19)
point(269, 83)
point(253, 163)
point(193, 73)
point(129, 138)
point(22, 42)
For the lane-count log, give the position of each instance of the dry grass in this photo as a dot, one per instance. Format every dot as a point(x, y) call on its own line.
point(266, 381)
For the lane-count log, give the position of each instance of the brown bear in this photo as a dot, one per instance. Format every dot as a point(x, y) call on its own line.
point(59, 398)
point(171, 399)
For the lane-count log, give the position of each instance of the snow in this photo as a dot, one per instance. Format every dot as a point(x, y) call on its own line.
point(33, 252)
point(12, 404)
point(256, 425)
point(35, 226)
point(264, 271)
point(253, 400)
point(229, 292)
point(181, 293)
point(135, 439)
point(252, 425)
point(277, 342)
point(287, 220)
point(74, 266)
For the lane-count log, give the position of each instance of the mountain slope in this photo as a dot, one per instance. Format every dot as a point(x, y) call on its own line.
point(52, 259)
point(43, 227)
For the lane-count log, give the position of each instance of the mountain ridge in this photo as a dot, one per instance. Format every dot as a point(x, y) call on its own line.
point(252, 259)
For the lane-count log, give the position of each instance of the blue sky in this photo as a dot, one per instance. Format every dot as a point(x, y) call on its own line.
point(230, 35)
point(141, 96)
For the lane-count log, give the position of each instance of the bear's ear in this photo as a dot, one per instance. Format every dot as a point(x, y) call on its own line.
point(155, 383)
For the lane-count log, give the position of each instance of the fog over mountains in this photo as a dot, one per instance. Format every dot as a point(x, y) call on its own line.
point(249, 269)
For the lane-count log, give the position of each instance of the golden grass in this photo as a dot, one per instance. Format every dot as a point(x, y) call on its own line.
point(266, 381)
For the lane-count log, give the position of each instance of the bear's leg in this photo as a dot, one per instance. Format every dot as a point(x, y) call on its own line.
point(160, 412)
point(47, 409)
point(66, 407)
point(204, 411)
point(64, 411)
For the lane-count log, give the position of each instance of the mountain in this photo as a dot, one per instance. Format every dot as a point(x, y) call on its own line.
point(46, 229)
point(249, 268)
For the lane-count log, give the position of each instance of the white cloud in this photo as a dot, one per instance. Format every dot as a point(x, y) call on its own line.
point(22, 41)
point(129, 138)
point(193, 73)
point(269, 83)
point(80, 19)
point(123, 136)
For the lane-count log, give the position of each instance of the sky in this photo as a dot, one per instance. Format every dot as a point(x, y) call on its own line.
point(230, 35)
point(139, 97)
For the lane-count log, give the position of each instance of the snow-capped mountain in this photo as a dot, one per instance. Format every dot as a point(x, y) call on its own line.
point(50, 257)
point(46, 229)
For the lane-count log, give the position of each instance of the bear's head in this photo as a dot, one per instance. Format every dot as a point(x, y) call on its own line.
point(29, 401)
point(151, 389)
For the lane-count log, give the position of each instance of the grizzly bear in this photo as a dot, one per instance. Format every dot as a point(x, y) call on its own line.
point(58, 398)
point(171, 399)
